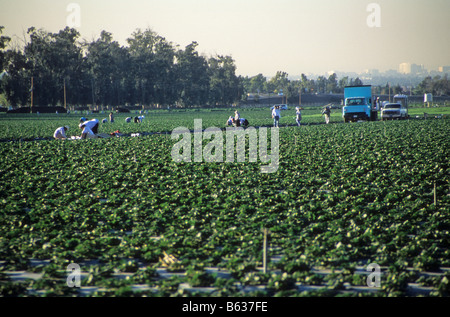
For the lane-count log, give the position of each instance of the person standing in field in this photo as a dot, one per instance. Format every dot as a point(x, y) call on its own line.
point(276, 115)
point(237, 115)
point(111, 117)
point(326, 112)
point(298, 115)
point(60, 133)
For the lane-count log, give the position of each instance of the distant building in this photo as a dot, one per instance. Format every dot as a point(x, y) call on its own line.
point(408, 68)
point(444, 69)
point(404, 68)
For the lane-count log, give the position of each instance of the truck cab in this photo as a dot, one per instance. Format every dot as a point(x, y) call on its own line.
point(397, 109)
point(358, 104)
point(394, 111)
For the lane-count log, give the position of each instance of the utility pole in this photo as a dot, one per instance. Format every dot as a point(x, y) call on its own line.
point(389, 91)
point(65, 104)
point(93, 97)
point(300, 96)
point(32, 88)
point(265, 250)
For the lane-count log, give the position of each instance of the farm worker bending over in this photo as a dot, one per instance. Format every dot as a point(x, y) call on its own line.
point(90, 129)
point(276, 115)
point(60, 133)
point(230, 121)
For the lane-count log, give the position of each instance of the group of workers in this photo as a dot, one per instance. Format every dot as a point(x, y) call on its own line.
point(89, 129)
point(276, 116)
point(237, 121)
point(135, 119)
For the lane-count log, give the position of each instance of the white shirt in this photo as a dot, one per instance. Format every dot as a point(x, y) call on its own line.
point(60, 133)
point(88, 125)
point(276, 113)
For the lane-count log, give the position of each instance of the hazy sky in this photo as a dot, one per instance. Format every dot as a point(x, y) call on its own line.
point(264, 36)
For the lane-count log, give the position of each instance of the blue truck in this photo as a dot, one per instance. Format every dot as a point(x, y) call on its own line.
point(358, 104)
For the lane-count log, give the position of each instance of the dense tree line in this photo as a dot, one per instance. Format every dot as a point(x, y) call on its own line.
point(291, 89)
point(437, 85)
point(59, 68)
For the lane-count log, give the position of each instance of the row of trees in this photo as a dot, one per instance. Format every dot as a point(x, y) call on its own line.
point(59, 68)
point(280, 83)
point(438, 86)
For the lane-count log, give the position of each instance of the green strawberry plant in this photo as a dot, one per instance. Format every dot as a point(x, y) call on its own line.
point(343, 196)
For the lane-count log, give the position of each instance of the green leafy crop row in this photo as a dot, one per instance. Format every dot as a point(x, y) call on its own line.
point(345, 195)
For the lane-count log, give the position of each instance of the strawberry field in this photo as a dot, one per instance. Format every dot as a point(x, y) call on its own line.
point(137, 223)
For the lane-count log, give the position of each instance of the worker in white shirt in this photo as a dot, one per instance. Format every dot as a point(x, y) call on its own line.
point(237, 115)
point(298, 115)
point(60, 133)
point(276, 115)
point(90, 129)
